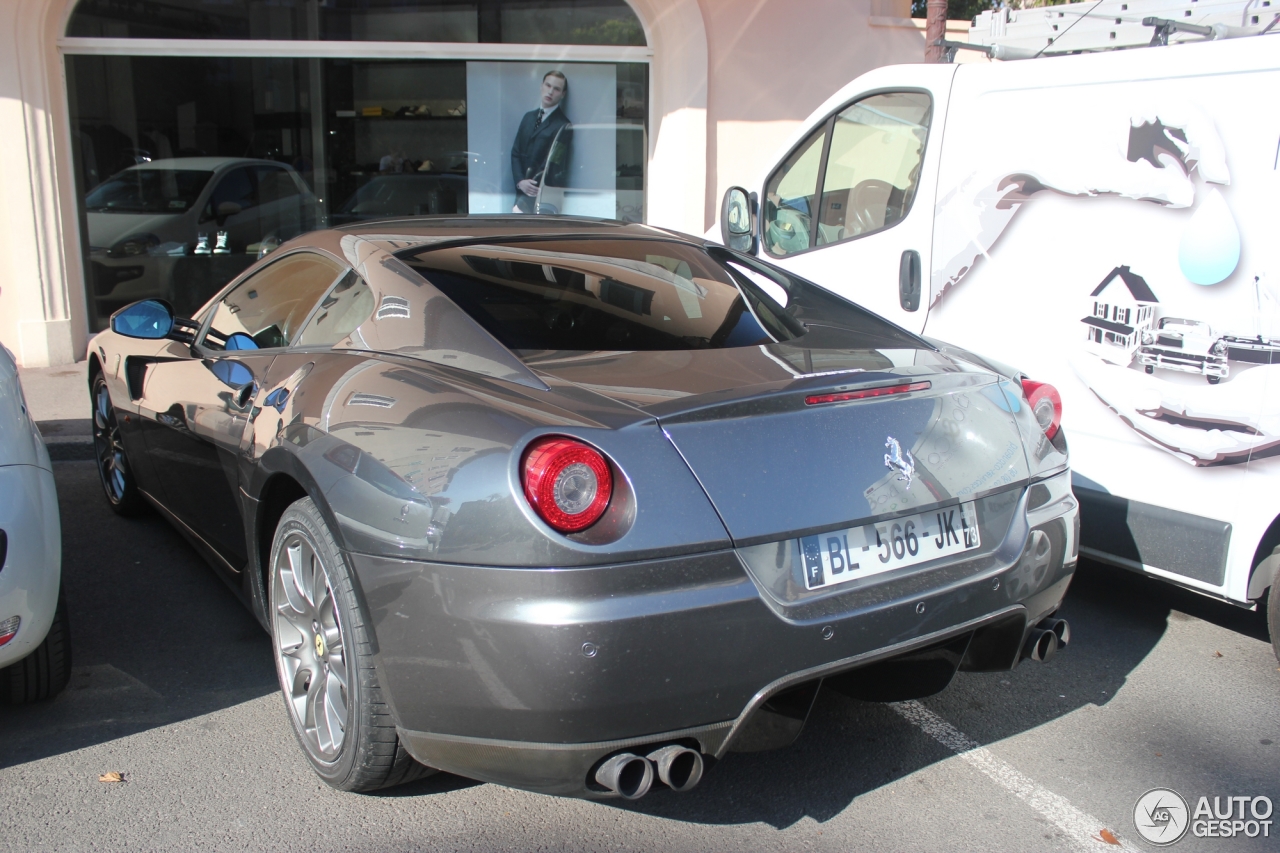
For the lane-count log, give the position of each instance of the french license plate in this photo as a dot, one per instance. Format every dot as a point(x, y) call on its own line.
point(845, 555)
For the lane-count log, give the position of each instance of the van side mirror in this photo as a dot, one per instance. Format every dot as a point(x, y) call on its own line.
point(736, 221)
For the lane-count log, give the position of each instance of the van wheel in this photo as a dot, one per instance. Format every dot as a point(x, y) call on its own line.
point(324, 658)
point(43, 673)
point(1273, 619)
point(1150, 368)
point(1214, 380)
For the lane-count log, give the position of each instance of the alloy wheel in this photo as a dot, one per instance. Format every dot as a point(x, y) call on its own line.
point(108, 446)
point(309, 646)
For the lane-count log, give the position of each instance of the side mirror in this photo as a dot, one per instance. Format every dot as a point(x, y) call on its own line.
point(150, 320)
point(735, 221)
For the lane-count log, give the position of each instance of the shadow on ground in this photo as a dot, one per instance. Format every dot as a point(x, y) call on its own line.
point(851, 748)
point(156, 637)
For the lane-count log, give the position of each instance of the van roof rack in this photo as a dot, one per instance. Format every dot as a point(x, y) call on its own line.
point(1086, 27)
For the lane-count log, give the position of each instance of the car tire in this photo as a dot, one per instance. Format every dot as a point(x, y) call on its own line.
point(108, 449)
point(323, 645)
point(43, 673)
point(1273, 616)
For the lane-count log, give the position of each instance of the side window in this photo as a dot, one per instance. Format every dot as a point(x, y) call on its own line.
point(235, 188)
point(341, 311)
point(873, 167)
point(267, 309)
point(791, 198)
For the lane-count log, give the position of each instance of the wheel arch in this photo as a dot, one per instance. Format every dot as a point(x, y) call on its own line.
point(280, 479)
point(1266, 562)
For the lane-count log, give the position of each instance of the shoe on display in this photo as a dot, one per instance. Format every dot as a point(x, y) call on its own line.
point(202, 244)
point(220, 247)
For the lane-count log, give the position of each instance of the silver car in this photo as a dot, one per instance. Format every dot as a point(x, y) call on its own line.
point(573, 505)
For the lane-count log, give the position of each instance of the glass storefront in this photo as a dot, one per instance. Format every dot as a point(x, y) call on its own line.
point(490, 21)
point(189, 168)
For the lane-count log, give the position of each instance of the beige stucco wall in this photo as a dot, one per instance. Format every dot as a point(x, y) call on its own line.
point(41, 290)
point(772, 62)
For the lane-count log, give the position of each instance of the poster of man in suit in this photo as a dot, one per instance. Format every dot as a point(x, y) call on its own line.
point(541, 138)
point(538, 130)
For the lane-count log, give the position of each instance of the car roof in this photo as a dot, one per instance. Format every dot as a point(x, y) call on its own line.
point(506, 226)
point(206, 164)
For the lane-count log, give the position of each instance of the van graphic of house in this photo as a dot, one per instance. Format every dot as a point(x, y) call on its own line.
point(1119, 315)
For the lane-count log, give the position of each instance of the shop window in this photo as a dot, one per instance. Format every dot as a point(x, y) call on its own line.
point(510, 21)
point(191, 168)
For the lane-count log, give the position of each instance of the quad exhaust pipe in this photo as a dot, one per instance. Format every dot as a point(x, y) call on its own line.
point(630, 776)
point(1046, 639)
point(679, 767)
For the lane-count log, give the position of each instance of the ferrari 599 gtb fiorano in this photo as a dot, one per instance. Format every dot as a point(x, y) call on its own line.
point(576, 506)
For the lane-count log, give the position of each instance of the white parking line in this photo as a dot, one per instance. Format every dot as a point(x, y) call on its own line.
point(1082, 829)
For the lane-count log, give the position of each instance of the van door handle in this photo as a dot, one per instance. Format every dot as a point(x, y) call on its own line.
point(909, 280)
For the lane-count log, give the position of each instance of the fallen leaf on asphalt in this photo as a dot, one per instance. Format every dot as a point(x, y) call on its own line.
point(113, 776)
point(1108, 836)
point(1217, 654)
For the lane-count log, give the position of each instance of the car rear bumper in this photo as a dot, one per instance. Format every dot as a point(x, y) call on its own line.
point(529, 677)
point(32, 566)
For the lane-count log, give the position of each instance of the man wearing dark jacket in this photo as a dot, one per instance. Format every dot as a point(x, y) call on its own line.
point(537, 131)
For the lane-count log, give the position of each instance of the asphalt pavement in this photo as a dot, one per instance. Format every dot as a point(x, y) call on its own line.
point(174, 688)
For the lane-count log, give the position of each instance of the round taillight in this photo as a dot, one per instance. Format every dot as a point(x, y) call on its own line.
point(567, 483)
point(1046, 405)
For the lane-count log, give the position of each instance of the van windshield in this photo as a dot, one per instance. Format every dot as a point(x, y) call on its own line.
point(604, 295)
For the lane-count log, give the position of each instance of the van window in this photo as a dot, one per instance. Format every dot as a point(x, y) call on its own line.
point(790, 198)
point(873, 167)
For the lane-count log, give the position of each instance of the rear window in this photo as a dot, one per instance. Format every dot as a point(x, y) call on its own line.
point(593, 295)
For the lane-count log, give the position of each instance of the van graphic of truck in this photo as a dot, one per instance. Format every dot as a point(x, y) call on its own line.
point(1189, 346)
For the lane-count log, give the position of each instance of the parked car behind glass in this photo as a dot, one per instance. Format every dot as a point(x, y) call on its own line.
point(179, 229)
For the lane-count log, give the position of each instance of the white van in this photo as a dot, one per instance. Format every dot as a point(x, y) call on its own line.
point(1109, 223)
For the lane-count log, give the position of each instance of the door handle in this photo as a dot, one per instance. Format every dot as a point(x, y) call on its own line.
point(909, 280)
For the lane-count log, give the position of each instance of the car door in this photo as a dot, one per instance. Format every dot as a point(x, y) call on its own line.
point(198, 406)
point(851, 206)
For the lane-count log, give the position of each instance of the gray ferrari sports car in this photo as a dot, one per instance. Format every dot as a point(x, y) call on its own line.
point(577, 506)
